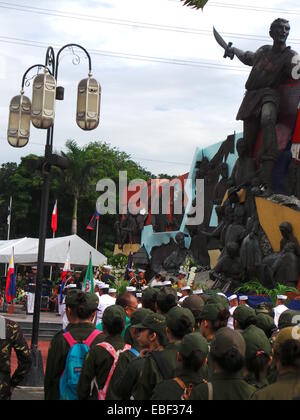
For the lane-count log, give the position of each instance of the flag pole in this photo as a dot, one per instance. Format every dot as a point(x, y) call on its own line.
point(9, 226)
point(97, 234)
point(51, 268)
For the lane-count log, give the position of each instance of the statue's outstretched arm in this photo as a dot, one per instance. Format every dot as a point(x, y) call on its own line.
point(246, 57)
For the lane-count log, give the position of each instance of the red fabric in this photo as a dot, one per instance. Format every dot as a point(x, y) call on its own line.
point(54, 219)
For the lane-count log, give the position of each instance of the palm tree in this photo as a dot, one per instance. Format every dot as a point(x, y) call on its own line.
point(196, 4)
point(78, 174)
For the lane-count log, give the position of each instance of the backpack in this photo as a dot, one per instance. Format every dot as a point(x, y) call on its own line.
point(115, 355)
point(76, 356)
point(187, 390)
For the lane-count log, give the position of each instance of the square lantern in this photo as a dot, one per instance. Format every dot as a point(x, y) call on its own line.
point(88, 104)
point(43, 101)
point(19, 121)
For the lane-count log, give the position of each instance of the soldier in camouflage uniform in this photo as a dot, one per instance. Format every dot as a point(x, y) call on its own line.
point(11, 337)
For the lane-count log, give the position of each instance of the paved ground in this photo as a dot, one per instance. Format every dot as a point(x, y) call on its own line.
point(28, 394)
point(45, 318)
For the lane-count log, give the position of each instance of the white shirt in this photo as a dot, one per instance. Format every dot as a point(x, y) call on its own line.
point(231, 320)
point(280, 309)
point(104, 302)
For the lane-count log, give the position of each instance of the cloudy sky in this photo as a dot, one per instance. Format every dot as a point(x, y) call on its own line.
point(166, 87)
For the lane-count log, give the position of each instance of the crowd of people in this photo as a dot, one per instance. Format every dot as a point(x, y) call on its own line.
point(164, 341)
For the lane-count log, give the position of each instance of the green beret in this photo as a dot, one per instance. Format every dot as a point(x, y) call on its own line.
point(113, 313)
point(76, 297)
point(256, 341)
point(192, 342)
point(178, 317)
point(139, 315)
point(154, 322)
point(266, 323)
point(225, 340)
point(211, 311)
point(193, 303)
point(242, 314)
point(288, 319)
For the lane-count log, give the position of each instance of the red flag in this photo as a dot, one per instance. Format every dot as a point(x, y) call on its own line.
point(93, 223)
point(10, 291)
point(66, 270)
point(54, 219)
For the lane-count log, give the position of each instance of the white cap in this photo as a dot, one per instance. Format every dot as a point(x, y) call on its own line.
point(182, 272)
point(131, 289)
point(198, 292)
point(107, 267)
point(111, 291)
point(142, 271)
point(167, 283)
point(282, 297)
point(139, 295)
point(97, 283)
point(186, 288)
point(34, 267)
point(130, 270)
point(104, 286)
point(244, 298)
point(222, 294)
point(145, 288)
point(71, 286)
point(233, 297)
point(179, 295)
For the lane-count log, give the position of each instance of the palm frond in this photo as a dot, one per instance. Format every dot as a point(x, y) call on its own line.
point(195, 4)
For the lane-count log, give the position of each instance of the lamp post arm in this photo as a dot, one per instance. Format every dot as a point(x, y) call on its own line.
point(29, 70)
point(68, 46)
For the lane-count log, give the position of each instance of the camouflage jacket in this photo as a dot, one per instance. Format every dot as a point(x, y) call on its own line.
point(11, 337)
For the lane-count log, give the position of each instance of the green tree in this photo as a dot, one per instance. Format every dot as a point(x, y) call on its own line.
point(195, 4)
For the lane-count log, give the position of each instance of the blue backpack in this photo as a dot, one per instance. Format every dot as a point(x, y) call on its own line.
point(77, 354)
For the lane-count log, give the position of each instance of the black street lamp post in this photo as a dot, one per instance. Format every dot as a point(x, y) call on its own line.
point(87, 120)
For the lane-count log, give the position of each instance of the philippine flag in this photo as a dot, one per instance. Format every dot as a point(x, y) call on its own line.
point(10, 291)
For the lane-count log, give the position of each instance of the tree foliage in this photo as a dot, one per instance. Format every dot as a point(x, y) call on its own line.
point(195, 4)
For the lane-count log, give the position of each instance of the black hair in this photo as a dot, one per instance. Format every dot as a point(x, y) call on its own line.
point(149, 301)
point(79, 309)
point(231, 362)
point(162, 338)
point(258, 364)
point(183, 327)
point(115, 327)
point(251, 320)
point(197, 315)
point(221, 321)
point(166, 300)
point(290, 354)
point(194, 362)
point(124, 299)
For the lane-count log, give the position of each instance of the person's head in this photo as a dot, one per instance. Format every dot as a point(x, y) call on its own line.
point(195, 304)
point(149, 299)
point(193, 352)
point(266, 323)
point(244, 316)
point(287, 349)
point(279, 31)
point(103, 289)
point(281, 300)
point(233, 301)
point(228, 351)
point(180, 321)
point(34, 270)
point(128, 302)
point(288, 319)
point(131, 274)
point(258, 352)
point(152, 332)
point(142, 274)
point(138, 317)
point(213, 317)
point(114, 320)
point(113, 293)
point(166, 300)
point(243, 300)
point(186, 291)
point(107, 269)
point(81, 307)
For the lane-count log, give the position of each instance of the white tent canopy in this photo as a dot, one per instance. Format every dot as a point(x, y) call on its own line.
point(26, 251)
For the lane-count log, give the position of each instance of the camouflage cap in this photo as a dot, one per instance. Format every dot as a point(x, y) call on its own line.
point(290, 333)
point(243, 313)
point(266, 323)
point(289, 319)
point(265, 308)
point(193, 303)
point(225, 340)
point(113, 313)
point(178, 317)
point(154, 322)
point(211, 311)
point(256, 342)
point(139, 315)
point(76, 297)
point(192, 342)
